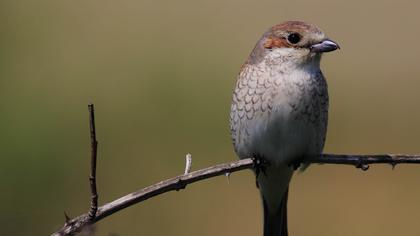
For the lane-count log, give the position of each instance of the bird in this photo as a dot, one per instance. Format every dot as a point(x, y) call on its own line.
point(279, 111)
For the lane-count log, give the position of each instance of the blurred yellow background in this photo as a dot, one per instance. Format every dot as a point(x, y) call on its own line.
point(161, 75)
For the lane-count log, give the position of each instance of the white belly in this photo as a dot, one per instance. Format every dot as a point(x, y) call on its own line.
point(279, 137)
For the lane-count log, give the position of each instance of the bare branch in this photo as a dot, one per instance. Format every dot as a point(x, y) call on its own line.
point(181, 181)
point(77, 224)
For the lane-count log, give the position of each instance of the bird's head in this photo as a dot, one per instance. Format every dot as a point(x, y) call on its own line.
point(292, 42)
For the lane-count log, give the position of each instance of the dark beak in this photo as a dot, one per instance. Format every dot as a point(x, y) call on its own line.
point(325, 46)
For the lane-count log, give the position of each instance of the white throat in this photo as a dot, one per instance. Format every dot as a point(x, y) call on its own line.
point(289, 60)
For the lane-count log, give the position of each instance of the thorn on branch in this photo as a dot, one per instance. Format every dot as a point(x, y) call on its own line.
point(228, 174)
point(67, 219)
point(363, 167)
point(393, 165)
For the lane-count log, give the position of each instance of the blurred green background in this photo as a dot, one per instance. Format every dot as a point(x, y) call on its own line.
point(161, 74)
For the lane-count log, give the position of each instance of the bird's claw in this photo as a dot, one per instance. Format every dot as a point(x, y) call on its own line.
point(260, 166)
point(295, 164)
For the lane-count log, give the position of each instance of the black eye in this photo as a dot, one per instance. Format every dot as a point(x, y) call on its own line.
point(293, 38)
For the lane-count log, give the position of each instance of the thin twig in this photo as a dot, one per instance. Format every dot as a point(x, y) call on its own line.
point(363, 161)
point(94, 152)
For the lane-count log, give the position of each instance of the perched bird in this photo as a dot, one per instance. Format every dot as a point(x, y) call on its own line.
point(279, 111)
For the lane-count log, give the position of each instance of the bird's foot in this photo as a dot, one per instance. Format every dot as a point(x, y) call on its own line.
point(260, 166)
point(296, 163)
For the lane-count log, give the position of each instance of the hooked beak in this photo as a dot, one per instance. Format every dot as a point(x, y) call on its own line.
point(325, 46)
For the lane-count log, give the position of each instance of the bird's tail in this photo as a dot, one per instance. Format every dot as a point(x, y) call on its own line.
point(275, 222)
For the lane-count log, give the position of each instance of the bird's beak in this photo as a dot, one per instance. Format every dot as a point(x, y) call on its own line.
point(327, 45)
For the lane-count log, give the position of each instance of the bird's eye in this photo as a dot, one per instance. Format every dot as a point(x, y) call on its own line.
point(293, 38)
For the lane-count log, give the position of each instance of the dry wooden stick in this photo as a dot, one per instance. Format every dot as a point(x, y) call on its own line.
point(72, 226)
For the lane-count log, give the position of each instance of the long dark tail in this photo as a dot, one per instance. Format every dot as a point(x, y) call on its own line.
point(275, 222)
